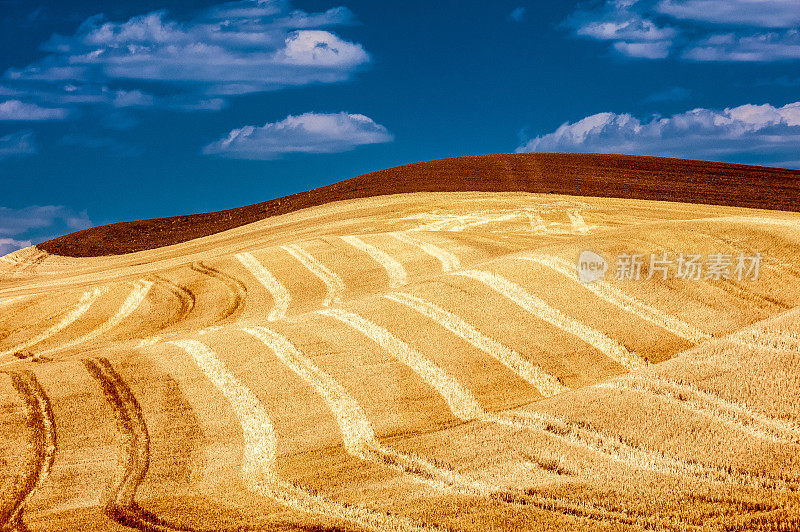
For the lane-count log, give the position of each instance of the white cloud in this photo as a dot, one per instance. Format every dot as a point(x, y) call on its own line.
point(306, 133)
point(17, 144)
point(764, 13)
point(760, 133)
point(695, 30)
point(9, 245)
point(233, 48)
point(762, 47)
point(18, 110)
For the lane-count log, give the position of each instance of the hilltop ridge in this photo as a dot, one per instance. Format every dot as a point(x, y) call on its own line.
point(617, 176)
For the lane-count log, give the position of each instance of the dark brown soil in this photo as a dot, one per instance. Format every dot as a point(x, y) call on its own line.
point(618, 176)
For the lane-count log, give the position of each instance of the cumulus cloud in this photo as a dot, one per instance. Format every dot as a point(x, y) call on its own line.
point(233, 48)
point(694, 30)
point(760, 133)
point(764, 13)
point(21, 111)
point(306, 133)
point(17, 144)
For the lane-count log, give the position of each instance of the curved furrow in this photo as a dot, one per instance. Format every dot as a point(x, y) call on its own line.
point(281, 298)
point(448, 260)
point(122, 507)
point(237, 291)
point(333, 283)
point(78, 310)
point(620, 299)
point(465, 406)
point(259, 473)
point(42, 448)
point(395, 271)
point(186, 299)
point(546, 384)
point(539, 308)
point(137, 295)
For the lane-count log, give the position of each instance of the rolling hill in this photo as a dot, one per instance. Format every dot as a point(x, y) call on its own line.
point(413, 350)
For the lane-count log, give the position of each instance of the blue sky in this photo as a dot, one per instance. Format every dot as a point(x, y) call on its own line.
point(129, 110)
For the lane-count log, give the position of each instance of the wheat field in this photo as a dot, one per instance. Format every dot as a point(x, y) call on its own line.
point(408, 362)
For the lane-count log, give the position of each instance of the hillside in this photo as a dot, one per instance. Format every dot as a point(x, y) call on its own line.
point(613, 176)
point(414, 362)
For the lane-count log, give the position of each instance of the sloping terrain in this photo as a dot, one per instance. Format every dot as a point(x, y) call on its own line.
point(612, 176)
point(408, 362)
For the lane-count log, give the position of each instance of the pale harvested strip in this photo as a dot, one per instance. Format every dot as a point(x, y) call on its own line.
point(486, 220)
point(620, 299)
point(555, 317)
point(75, 312)
point(280, 295)
point(761, 339)
point(461, 402)
point(357, 432)
point(140, 290)
point(537, 222)
point(10, 300)
point(464, 406)
point(690, 397)
point(42, 448)
point(578, 223)
point(332, 281)
point(260, 452)
point(395, 270)
point(618, 450)
point(449, 261)
point(545, 383)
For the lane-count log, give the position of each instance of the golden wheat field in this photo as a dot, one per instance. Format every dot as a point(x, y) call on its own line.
point(412, 362)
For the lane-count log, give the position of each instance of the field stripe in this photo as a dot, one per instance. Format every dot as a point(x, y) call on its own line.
point(357, 432)
point(460, 401)
point(537, 222)
point(258, 465)
point(74, 313)
point(464, 406)
point(237, 291)
point(618, 298)
point(42, 447)
point(555, 317)
point(545, 383)
point(578, 223)
point(332, 281)
point(10, 300)
point(121, 506)
point(395, 270)
point(138, 294)
point(692, 398)
point(280, 295)
point(449, 261)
